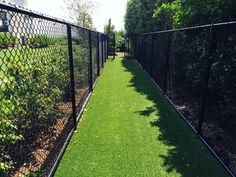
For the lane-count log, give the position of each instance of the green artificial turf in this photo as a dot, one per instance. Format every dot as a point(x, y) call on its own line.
point(128, 129)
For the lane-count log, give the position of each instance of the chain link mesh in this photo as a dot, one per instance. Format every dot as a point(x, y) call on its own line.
point(35, 89)
point(178, 61)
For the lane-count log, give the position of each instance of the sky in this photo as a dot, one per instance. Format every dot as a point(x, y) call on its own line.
point(104, 9)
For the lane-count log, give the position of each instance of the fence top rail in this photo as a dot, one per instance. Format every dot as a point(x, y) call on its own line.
point(188, 28)
point(14, 8)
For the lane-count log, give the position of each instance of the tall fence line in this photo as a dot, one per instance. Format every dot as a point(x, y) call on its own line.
point(195, 68)
point(48, 68)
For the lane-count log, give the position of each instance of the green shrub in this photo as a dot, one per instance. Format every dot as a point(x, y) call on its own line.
point(40, 41)
point(8, 137)
point(63, 40)
point(30, 94)
point(8, 40)
point(76, 40)
point(32, 87)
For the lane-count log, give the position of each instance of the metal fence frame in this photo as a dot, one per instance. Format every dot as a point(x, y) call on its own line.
point(140, 56)
point(102, 56)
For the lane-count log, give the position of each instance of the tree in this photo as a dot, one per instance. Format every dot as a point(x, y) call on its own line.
point(153, 15)
point(80, 12)
point(120, 40)
point(109, 30)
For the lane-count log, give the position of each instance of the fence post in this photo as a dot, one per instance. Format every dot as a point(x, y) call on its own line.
point(206, 81)
point(72, 79)
point(114, 47)
point(167, 61)
point(152, 54)
point(90, 62)
point(98, 53)
point(106, 48)
point(102, 50)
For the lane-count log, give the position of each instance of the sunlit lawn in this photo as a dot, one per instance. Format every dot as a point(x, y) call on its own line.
point(128, 129)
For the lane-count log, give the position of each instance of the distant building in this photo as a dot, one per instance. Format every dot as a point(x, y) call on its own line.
point(22, 26)
point(6, 17)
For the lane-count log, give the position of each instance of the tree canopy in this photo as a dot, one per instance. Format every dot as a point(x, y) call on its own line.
point(80, 11)
point(109, 30)
point(154, 15)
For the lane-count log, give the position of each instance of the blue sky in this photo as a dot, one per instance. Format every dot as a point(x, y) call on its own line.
point(105, 9)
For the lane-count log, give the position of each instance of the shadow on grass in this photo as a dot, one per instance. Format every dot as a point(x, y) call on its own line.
point(187, 154)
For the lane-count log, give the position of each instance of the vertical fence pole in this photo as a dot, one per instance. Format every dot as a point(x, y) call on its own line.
point(106, 48)
point(206, 81)
point(167, 61)
point(152, 54)
point(98, 54)
point(90, 62)
point(72, 79)
point(102, 50)
point(114, 47)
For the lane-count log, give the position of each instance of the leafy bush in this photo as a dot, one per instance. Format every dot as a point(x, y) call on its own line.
point(40, 41)
point(32, 85)
point(36, 86)
point(30, 93)
point(7, 136)
point(63, 40)
point(8, 40)
point(76, 40)
point(81, 63)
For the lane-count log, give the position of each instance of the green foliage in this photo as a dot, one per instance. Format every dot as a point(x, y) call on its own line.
point(120, 41)
point(34, 88)
point(81, 61)
point(8, 135)
point(188, 53)
point(8, 40)
point(40, 41)
point(109, 30)
point(30, 92)
point(81, 11)
point(152, 15)
point(63, 40)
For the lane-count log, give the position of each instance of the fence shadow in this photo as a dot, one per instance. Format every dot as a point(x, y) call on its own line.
point(186, 154)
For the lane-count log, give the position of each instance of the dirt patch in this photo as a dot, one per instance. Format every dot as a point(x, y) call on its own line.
point(42, 143)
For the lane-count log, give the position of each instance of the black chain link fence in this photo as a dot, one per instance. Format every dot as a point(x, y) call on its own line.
point(47, 69)
point(196, 69)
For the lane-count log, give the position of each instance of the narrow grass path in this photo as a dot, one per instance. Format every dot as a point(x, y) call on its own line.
point(129, 129)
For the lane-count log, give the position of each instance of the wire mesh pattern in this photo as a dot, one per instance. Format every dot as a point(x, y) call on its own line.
point(45, 77)
point(94, 47)
point(196, 69)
